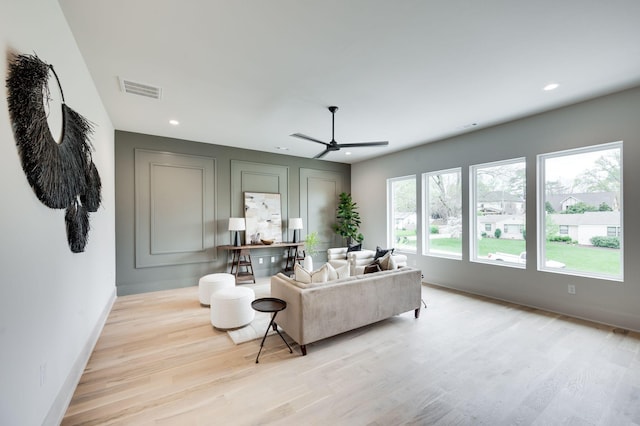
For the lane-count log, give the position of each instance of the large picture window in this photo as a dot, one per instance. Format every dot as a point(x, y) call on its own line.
point(401, 204)
point(443, 213)
point(580, 211)
point(498, 202)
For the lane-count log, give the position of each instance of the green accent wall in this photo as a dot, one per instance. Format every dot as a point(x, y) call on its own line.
point(235, 171)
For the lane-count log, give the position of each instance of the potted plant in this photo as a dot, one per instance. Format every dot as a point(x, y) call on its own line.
point(348, 220)
point(311, 248)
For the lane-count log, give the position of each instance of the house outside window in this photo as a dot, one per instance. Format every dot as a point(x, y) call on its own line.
point(580, 196)
point(401, 213)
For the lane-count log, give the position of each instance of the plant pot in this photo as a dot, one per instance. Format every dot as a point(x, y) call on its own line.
point(308, 263)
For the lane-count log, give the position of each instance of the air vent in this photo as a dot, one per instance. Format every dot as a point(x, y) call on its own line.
point(140, 89)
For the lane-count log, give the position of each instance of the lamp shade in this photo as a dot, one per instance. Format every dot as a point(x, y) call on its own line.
point(236, 224)
point(295, 223)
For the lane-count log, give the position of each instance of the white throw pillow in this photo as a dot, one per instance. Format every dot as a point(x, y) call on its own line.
point(337, 273)
point(385, 262)
point(306, 277)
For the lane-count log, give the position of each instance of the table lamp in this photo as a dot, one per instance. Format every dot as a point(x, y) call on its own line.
point(295, 223)
point(236, 224)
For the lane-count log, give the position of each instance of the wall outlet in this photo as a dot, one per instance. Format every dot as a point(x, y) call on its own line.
point(273, 259)
point(260, 260)
point(43, 374)
point(571, 289)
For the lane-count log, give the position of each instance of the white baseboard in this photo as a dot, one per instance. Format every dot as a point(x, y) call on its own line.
point(59, 407)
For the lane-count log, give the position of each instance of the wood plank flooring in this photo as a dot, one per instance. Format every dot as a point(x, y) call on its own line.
point(467, 360)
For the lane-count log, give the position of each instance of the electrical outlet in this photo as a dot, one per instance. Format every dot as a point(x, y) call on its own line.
point(571, 289)
point(273, 259)
point(43, 374)
point(260, 260)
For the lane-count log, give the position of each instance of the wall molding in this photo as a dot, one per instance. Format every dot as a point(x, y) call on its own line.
point(175, 217)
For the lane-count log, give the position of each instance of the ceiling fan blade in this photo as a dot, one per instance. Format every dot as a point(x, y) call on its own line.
point(361, 144)
point(309, 138)
point(323, 153)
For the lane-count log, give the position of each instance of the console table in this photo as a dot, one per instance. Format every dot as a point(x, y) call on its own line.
point(241, 265)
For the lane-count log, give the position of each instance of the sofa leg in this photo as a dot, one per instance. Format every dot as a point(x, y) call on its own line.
point(417, 313)
point(303, 348)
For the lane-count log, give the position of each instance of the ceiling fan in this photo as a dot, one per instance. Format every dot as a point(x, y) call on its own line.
point(333, 145)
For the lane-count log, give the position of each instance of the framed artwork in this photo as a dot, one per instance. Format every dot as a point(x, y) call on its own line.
point(263, 217)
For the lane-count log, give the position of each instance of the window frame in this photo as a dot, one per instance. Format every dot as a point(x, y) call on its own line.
point(391, 216)
point(541, 211)
point(426, 228)
point(474, 232)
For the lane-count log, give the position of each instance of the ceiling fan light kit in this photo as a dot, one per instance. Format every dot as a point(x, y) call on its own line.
point(333, 145)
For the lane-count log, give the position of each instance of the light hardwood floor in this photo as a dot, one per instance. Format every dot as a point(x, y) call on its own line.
point(467, 360)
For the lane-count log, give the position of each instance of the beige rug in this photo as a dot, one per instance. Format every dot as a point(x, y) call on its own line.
point(257, 327)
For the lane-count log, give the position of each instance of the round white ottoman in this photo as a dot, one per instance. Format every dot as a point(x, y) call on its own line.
point(213, 282)
point(231, 307)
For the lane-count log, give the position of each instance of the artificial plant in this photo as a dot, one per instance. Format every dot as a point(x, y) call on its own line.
point(348, 219)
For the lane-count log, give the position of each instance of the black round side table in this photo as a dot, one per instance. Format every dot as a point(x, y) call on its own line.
point(273, 305)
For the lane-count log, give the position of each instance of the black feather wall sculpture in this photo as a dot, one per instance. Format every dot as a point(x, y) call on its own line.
point(62, 175)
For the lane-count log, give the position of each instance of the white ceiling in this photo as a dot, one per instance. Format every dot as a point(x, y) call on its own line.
point(249, 73)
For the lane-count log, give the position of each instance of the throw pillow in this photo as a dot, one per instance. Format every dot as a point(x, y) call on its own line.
point(337, 273)
point(370, 269)
point(307, 277)
point(355, 247)
point(381, 252)
point(386, 262)
point(344, 271)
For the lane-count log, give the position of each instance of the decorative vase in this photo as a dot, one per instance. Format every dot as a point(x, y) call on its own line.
point(308, 263)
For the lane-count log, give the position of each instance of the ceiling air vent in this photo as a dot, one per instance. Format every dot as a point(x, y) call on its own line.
point(140, 89)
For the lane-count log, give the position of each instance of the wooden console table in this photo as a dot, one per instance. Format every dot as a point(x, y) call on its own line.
point(241, 265)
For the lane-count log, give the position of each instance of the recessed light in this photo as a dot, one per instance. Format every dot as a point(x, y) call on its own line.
point(174, 122)
point(550, 86)
point(282, 148)
point(347, 153)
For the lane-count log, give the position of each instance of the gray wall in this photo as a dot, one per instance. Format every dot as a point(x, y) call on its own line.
point(607, 119)
point(53, 302)
point(236, 170)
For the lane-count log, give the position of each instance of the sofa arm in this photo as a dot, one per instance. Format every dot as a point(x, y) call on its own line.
point(338, 253)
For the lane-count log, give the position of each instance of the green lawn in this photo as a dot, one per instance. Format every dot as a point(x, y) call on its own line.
point(578, 258)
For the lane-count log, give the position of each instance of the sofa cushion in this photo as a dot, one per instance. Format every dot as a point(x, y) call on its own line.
point(381, 252)
point(335, 273)
point(306, 277)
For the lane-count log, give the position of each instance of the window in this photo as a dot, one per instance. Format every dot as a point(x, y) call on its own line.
point(401, 204)
point(580, 211)
point(443, 213)
point(613, 231)
point(498, 198)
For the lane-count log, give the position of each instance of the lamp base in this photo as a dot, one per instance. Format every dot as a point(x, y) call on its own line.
point(236, 241)
point(295, 235)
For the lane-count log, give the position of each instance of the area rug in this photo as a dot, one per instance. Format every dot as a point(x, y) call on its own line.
point(257, 327)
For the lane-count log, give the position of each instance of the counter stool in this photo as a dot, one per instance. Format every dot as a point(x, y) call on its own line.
point(211, 283)
point(231, 307)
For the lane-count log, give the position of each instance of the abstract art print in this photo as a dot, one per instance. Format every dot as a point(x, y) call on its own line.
point(263, 217)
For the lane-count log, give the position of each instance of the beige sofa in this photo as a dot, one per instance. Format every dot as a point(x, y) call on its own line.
point(320, 310)
point(357, 260)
